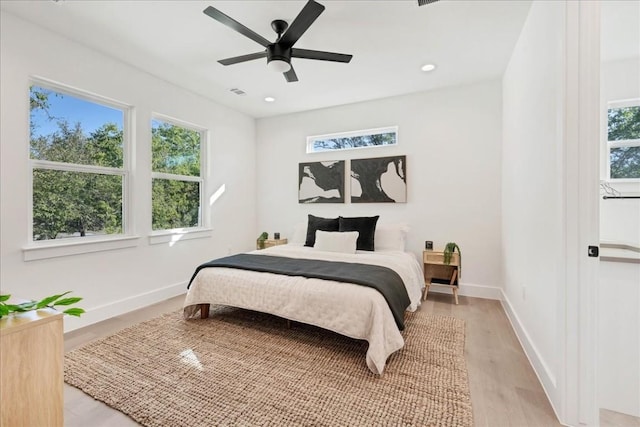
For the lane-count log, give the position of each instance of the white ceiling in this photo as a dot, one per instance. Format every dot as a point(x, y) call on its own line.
point(389, 40)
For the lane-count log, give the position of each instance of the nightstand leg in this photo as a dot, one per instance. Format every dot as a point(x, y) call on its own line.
point(426, 290)
point(455, 294)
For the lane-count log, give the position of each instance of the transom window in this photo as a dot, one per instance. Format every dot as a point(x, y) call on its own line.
point(623, 139)
point(351, 140)
point(78, 159)
point(177, 182)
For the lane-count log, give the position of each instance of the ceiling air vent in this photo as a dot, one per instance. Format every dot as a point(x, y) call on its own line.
point(425, 2)
point(238, 91)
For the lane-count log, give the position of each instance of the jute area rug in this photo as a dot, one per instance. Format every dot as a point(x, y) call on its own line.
point(242, 368)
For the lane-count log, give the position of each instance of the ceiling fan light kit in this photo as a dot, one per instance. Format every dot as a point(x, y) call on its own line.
point(280, 52)
point(278, 58)
point(278, 65)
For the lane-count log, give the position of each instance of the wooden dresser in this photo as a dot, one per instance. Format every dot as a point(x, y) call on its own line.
point(31, 369)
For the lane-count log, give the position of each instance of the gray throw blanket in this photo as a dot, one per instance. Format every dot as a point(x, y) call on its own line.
point(383, 279)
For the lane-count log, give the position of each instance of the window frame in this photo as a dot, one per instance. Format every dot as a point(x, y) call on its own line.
point(42, 249)
point(375, 131)
point(203, 230)
point(634, 102)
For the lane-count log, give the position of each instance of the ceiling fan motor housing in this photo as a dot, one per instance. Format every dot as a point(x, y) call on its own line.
point(276, 51)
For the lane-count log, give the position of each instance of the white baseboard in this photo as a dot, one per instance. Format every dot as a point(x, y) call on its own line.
point(540, 367)
point(117, 308)
point(470, 290)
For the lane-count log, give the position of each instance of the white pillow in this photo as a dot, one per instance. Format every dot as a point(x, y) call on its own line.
point(390, 237)
point(335, 241)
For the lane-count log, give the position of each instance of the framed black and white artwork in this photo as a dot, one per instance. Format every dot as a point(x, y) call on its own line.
point(379, 180)
point(321, 182)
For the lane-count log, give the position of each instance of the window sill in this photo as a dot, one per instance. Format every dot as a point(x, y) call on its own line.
point(623, 181)
point(53, 249)
point(173, 236)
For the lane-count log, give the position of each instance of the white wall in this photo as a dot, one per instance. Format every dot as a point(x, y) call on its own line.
point(532, 189)
point(116, 281)
point(452, 140)
point(619, 219)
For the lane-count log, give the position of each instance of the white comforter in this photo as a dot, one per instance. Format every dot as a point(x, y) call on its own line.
point(353, 310)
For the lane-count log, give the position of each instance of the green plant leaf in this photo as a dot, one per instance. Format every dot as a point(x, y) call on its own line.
point(4, 310)
point(13, 308)
point(4, 298)
point(74, 311)
point(67, 301)
point(26, 306)
point(48, 300)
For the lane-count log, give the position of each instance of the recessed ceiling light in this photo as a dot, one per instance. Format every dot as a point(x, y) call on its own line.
point(428, 67)
point(269, 99)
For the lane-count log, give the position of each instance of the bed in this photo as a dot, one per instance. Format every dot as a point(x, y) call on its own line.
point(349, 309)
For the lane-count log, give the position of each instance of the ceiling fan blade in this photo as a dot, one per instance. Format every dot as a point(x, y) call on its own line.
point(320, 55)
point(235, 25)
point(291, 76)
point(243, 58)
point(303, 21)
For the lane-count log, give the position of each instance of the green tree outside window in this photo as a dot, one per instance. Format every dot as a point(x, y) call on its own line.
point(77, 174)
point(176, 173)
point(624, 142)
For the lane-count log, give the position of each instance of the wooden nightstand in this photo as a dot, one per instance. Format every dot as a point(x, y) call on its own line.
point(436, 271)
point(272, 242)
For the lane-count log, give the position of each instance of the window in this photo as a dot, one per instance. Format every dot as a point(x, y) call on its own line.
point(177, 182)
point(78, 162)
point(355, 139)
point(623, 139)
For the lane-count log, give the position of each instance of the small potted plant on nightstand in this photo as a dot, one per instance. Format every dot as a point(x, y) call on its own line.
point(449, 249)
point(261, 239)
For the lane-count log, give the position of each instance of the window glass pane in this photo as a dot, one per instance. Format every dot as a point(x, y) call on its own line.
point(624, 123)
point(175, 149)
point(347, 142)
point(67, 129)
point(625, 162)
point(75, 204)
point(176, 204)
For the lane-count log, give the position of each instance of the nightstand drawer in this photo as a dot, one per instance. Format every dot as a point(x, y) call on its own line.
point(434, 257)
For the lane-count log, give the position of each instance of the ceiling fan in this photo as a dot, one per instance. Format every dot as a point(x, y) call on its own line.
point(280, 52)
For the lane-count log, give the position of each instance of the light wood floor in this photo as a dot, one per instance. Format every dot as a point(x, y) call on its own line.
point(504, 389)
